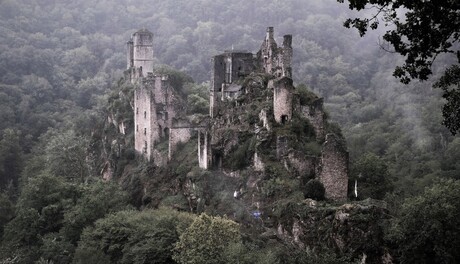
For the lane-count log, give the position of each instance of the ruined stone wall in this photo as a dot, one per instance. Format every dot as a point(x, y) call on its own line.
point(315, 114)
point(180, 132)
point(217, 72)
point(286, 59)
point(268, 54)
point(130, 54)
point(304, 165)
point(160, 91)
point(242, 64)
point(217, 78)
point(334, 169)
point(175, 106)
point(143, 117)
point(282, 99)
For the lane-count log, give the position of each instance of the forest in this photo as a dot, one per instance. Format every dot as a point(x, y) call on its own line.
point(61, 63)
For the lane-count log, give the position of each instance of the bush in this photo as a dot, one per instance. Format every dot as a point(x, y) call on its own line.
point(314, 189)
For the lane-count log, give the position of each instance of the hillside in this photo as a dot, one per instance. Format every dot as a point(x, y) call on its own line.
point(76, 187)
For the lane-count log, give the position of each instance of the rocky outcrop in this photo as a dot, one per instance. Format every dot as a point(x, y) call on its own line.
point(355, 229)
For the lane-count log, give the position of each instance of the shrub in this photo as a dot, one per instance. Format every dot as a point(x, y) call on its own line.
point(314, 189)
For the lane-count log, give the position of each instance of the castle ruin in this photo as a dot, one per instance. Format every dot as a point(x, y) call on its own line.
point(159, 112)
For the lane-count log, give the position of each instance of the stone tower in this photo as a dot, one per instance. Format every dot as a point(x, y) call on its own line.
point(156, 103)
point(140, 64)
point(140, 54)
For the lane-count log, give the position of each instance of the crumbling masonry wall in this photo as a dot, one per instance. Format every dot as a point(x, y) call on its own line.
point(155, 102)
point(315, 114)
point(144, 120)
point(275, 60)
point(334, 168)
point(180, 132)
point(282, 99)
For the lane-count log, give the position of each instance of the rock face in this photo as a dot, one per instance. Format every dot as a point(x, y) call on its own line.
point(355, 228)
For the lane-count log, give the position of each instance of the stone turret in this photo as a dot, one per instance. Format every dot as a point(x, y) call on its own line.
point(282, 99)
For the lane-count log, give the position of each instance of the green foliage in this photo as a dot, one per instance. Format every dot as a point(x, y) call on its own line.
point(11, 160)
point(56, 77)
point(66, 156)
point(56, 249)
point(450, 84)
point(241, 155)
point(97, 200)
point(134, 237)
point(177, 79)
point(21, 237)
point(197, 104)
point(372, 176)
point(421, 34)
point(427, 230)
point(178, 201)
point(197, 98)
point(206, 240)
point(314, 189)
point(6, 211)
point(249, 253)
point(90, 256)
point(306, 96)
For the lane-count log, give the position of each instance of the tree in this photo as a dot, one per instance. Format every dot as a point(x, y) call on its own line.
point(97, 199)
point(428, 230)
point(372, 177)
point(206, 240)
point(428, 29)
point(133, 237)
point(66, 156)
point(6, 211)
point(10, 158)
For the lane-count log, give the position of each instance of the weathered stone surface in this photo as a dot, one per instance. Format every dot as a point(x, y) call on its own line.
point(353, 228)
point(180, 132)
point(251, 101)
point(282, 99)
point(334, 168)
point(315, 114)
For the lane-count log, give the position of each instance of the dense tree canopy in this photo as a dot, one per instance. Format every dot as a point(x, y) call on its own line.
point(420, 31)
point(60, 101)
point(206, 240)
point(428, 230)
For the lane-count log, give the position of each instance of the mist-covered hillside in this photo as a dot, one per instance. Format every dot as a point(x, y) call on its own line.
point(59, 57)
point(61, 64)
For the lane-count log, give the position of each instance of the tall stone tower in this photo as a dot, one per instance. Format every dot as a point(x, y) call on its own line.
point(139, 64)
point(140, 54)
point(156, 103)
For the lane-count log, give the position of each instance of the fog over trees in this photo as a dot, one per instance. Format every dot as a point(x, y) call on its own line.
point(60, 63)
